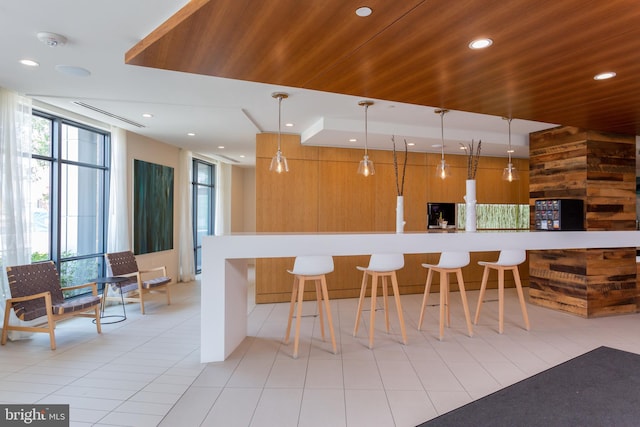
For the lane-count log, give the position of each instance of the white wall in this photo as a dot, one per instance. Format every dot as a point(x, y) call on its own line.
point(243, 196)
point(149, 150)
point(243, 200)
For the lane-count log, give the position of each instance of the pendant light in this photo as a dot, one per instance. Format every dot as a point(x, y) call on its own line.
point(510, 173)
point(442, 170)
point(279, 162)
point(366, 166)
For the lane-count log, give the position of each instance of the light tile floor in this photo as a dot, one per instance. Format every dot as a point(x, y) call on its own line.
point(146, 371)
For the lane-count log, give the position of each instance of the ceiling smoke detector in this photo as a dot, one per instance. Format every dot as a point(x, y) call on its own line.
point(52, 39)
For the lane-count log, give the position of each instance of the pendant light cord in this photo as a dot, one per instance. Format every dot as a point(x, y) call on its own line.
point(366, 131)
point(510, 149)
point(279, 120)
point(442, 132)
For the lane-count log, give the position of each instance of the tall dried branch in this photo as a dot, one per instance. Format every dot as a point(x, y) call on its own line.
point(399, 184)
point(473, 157)
point(404, 166)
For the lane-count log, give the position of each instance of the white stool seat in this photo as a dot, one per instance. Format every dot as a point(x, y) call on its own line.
point(450, 262)
point(507, 260)
point(312, 265)
point(312, 268)
point(384, 266)
point(384, 263)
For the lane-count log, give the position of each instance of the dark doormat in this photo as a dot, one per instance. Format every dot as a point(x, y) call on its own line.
point(599, 388)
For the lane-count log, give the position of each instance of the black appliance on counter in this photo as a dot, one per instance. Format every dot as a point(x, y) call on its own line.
point(448, 211)
point(559, 214)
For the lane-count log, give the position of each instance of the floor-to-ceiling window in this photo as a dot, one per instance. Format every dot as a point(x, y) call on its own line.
point(69, 189)
point(204, 202)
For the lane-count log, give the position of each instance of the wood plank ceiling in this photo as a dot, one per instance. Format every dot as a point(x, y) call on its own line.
point(540, 66)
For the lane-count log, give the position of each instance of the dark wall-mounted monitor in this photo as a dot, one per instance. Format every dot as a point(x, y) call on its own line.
point(434, 210)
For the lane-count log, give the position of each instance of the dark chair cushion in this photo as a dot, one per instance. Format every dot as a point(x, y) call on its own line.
point(25, 311)
point(155, 282)
point(128, 286)
point(76, 304)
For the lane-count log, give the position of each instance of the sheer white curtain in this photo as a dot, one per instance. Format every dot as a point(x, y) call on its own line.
point(185, 240)
point(15, 212)
point(118, 225)
point(223, 199)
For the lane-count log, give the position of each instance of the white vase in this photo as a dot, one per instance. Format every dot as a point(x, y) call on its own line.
point(470, 206)
point(400, 214)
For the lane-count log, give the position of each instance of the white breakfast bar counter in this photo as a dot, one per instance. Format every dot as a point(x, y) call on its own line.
point(225, 258)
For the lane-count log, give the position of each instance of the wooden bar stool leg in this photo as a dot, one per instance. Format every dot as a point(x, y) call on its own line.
point(372, 315)
point(427, 289)
point(516, 278)
point(319, 299)
point(385, 296)
point(325, 295)
point(465, 305)
point(444, 289)
point(294, 293)
point(500, 299)
point(363, 291)
point(299, 316)
point(483, 288)
point(396, 294)
point(446, 297)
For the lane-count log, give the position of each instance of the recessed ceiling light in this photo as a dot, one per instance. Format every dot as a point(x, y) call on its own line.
point(29, 62)
point(364, 11)
point(604, 76)
point(147, 115)
point(191, 134)
point(242, 156)
point(411, 144)
point(480, 43)
point(352, 140)
point(72, 70)
point(221, 147)
point(289, 125)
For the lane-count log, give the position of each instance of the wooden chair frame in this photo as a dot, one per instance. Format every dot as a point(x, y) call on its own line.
point(51, 317)
point(141, 290)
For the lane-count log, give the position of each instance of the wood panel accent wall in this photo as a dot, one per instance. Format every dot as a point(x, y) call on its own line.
point(598, 168)
point(323, 193)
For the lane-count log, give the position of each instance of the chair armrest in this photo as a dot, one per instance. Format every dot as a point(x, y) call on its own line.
point(92, 285)
point(29, 297)
point(161, 268)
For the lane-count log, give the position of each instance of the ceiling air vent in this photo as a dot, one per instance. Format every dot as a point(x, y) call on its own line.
point(228, 158)
point(106, 113)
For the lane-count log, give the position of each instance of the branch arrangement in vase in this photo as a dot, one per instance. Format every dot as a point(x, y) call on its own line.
point(473, 159)
point(399, 183)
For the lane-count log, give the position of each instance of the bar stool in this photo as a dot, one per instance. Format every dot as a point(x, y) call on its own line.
point(450, 262)
point(310, 268)
point(384, 266)
point(507, 260)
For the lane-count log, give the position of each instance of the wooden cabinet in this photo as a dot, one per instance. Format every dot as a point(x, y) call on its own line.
point(323, 193)
point(598, 168)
